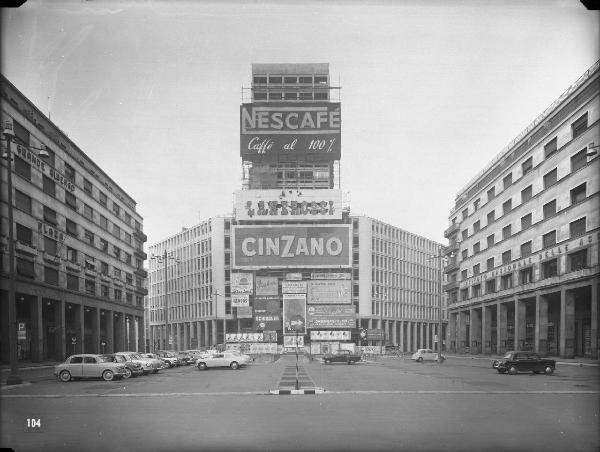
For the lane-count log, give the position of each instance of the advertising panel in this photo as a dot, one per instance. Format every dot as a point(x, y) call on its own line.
point(330, 291)
point(294, 313)
point(275, 246)
point(290, 341)
point(324, 275)
point(266, 285)
point(243, 312)
point(293, 287)
point(241, 283)
point(331, 316)
point(240, 300)
point(290, 131)
point(268, 205)
point(263, 348)
point(330, 335)
point(267, 313)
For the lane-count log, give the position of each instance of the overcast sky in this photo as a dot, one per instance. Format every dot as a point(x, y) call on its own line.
point(431, 91)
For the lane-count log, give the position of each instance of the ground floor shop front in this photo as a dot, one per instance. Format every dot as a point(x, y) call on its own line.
point(557, 321)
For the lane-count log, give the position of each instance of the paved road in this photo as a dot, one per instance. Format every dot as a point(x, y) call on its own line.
point(386, 405)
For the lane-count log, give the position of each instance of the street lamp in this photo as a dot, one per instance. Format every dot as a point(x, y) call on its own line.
point(163, 259)
point(217, 294)
point(382, 300)
point(13, 377)
point(441, 258)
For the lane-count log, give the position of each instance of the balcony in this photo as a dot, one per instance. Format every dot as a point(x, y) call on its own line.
point(452, 266)
point(450, 286)
point(73, 266)
point(140, 235)
point(117, 281)
point(140, 254)
point(51, 258)
point(26, 248)
point(104, 277)
point(141, 290)
point(453, 229)
point(141, 272)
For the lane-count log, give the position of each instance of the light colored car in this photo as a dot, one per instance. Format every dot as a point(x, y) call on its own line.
point(224, 359)
point(89, 366)
point(425, 354)
point(163, 363)
point(148, 364)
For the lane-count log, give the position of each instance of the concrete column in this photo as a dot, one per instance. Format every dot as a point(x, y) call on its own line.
point(501, 328)
point(567, 324)
point(486, 329)
point(409, 337)
point(451, 341)
point(475, 331)
point(394, 334)
point(462, 339)
point(110, 331)
point(541, 325)
point(186, 336)
point(96, 330)
point(594, 319)
point(214, 332)
point(133, 345)
point(402, 349)
point(141, 334)
point(205, 326)
point(178, 336)
point(370, 324)
point(427, 335)
point(81, 325)
point(37, 329)
point(416, 335)
point(520, 323)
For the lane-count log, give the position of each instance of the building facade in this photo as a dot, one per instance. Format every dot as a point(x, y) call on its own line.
point(79, 279)
point(291, 265)
point(523, 238)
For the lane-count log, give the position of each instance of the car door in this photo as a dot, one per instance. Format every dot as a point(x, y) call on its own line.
point(75, 366)
point(89, 367)
point(216, 360)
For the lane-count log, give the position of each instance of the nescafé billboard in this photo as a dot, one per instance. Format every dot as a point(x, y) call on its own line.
point(275, 246)
point(290, 131)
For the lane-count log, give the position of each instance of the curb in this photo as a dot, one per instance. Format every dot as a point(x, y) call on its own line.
point(22, 385)
point(311, 391)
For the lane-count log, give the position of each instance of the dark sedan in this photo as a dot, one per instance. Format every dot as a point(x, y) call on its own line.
point(518, 361)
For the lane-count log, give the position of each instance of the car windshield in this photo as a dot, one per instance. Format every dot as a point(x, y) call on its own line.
point(135, 356)
point(508, 355)
point(106, 359)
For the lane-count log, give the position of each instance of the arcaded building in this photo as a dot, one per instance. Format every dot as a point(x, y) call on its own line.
point(79, 275)
point(523, 237)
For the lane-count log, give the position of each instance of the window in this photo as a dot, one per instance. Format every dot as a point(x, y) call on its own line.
point(490, 240)
point(72, 255)
point(117, 272)
point(127, 217)
point(50, 246)
point(290, 95)
point(116, 209)
point(476, 204)
point(490, 286)
point(464, 294)
point(465, 254)
point(24, 234)
point(463, 275)
point(127, 237)
point(87, 186)
point(550, 268)
point(116, 230)
point(477, 290)
point(22, 168)
point(90, 287)
point(290, 80)
point(527, 165)
point(579, 126)
point(88, 236)
point(526, 275)
point(549, 209)
point(22, 201)
point(76, 360)
point(506, 232)
point(69, 172)
point(476, 247)
point(260, 80)
point(490, 263)
point(491, 194)
point(320, 79)
point(526, 221)
point(306, 96)
point(102, 198)
point(117, 252)
point(129, 297)
point(118, 295)
point(103, 222)
point(275, 80)
point(71, 228)
point(104, 245)
point(491, 217)
point(577, 227)
point(579, 160)
point(127, 258)
point(129, 278)
point(260, 95)
point(88, 212)
point(70, 200)
point(526, 249)
point(465, 234)
point(25, 267)
point(507, 207)
point(50, 216)
point(72, 282)
point(51, 276)
point(476, 226)
point(550, 178)
point(506, 281)
point(507, 181)
point(549, 239)
point(506, 257)
point(577, 261)
point(578, 193)
point(105, 291)
point(465, 213)
point(475, 269)
point(526, 194)
point(321, 95)
point(104, 268)
point(49, 186)
point(550, 147)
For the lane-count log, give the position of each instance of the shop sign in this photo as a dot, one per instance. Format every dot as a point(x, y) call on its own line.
point(293, 276)
point(267, 313)
point(329, 291)
point(330, 276)
point(263, 348)
point(243, 312)
point(241, 283)
point(42, 166)
point(274, 246)
point(240, 300)
point(21, 332)
point(290, 341)
point(294, 313)
point(375, 335)
point(293, 205)
point(330, 335)
point(244, 337)
point(331, 316)
point(267, 285)
point(51, 231)
point(293, 287)
point(290, 131)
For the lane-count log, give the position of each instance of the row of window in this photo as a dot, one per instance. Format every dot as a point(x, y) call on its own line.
point(290, 95)
point(317, 79)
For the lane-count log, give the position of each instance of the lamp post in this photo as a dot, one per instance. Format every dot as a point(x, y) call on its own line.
point(13, 377)
point(217, 294)
point(163, 259)
point(441, 258)
point(382, 299)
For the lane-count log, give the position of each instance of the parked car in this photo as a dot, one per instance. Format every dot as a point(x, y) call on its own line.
point(148, 364)
point(163, 363)
point(187, 358)
point(426, 354)
point(522, 361)
point(132, 369)
point(341, 356)
point(89, 366)
point(170, 357)
point(224, 359)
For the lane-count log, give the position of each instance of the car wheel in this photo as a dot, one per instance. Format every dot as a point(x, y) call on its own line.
point(512, 370)
point(327, 361)
point(501, 371)
point(201, 366)
point(234, 365)
point(548, 370)
point(155, 371)
point(128, 373)
point(108, 375)
point(420, 359)
point(65, 376)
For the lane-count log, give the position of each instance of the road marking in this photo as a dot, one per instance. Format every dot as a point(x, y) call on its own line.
point(251, 393)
